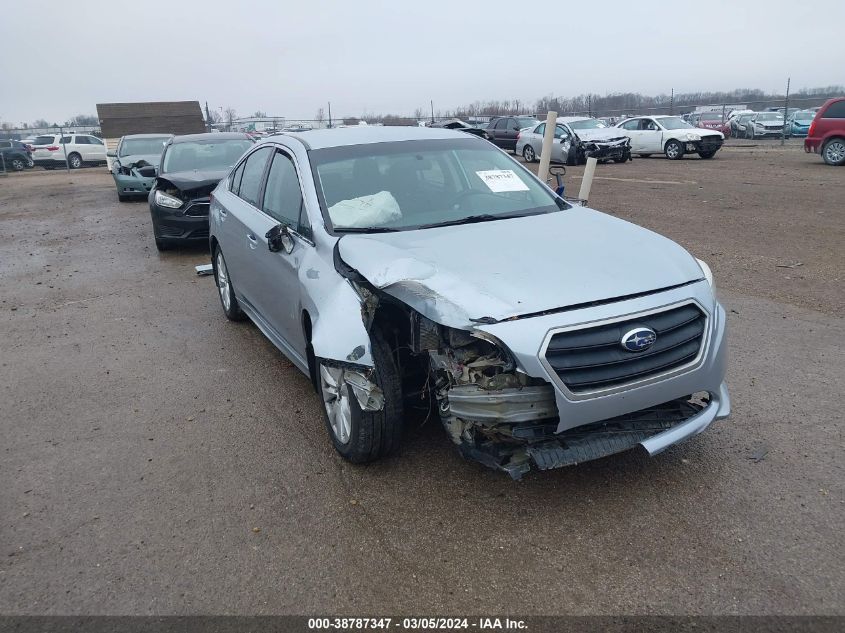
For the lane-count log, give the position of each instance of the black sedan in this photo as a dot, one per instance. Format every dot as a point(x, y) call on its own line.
point(191, 167)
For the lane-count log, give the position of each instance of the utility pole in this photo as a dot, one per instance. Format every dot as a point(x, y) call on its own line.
point(64, 148)
point(207, 118)
point(432, 111)
point(785, 111)
point(330, 114)
point(672, 102)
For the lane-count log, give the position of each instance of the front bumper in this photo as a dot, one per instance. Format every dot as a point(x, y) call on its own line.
point(186, 224)
point(548, 426)
point(706, 144)
point(133, 185)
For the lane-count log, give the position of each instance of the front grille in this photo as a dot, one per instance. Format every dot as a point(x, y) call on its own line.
point(593, 358)
point(198, 209)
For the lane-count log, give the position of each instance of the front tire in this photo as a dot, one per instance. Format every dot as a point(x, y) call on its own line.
point(231, 307)
point(75, 161)
point(529, 154)
point(363, 436)
point(833, 152)
point(674, 150)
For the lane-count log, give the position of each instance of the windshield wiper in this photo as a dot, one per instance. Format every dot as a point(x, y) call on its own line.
point(471, 219)
point(366, 229)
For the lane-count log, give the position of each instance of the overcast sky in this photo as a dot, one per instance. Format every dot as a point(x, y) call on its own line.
point(289, 58)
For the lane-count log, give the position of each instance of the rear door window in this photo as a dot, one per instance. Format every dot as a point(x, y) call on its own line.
point(82, 140)
point(835, 111)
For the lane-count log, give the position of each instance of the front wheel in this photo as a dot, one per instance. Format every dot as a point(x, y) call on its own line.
point(674, 150)
point(707, 154)
point(833, 152)
point(75, 161)
point(231, 308)
point(529, 154)
point(360, 435)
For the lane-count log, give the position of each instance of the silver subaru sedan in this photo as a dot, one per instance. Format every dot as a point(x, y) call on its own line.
point(400, 266)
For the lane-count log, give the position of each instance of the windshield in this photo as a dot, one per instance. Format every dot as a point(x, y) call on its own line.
point(803, 116)
point(673, 123)
point(587, 124)
point(132, 146)
point(407, 185)
point(770, 116)
point(745, 117)
point(210, 155)
point(711, 116)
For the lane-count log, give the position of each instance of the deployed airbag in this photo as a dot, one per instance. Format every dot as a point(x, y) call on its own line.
point(374, 210)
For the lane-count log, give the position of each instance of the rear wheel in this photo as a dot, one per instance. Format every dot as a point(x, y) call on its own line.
point(363, 436)
point(18, 164)
point(528, 154)
point(75, 161)
point(833, 152)
point(674, 150)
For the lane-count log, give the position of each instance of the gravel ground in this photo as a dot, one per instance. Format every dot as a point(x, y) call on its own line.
point(158, 459)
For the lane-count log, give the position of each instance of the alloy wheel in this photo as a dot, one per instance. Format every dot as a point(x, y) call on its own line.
point(835, 152)
point(528, 154)
point(223, 282)
point(336, 400)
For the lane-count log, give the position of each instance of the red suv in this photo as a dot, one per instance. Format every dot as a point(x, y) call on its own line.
point(826, 135)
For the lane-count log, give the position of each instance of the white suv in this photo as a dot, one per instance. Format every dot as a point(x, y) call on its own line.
point(48, 150)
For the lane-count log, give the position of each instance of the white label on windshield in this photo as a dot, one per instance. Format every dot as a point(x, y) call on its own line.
point(499, 180)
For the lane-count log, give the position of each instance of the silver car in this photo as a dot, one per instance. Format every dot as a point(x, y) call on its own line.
point(575, 139)
point(401, 267)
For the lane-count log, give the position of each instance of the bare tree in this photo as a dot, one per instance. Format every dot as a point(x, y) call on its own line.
point(214, 116)
point(230, 115)
point(320, 117)
point(258, 114)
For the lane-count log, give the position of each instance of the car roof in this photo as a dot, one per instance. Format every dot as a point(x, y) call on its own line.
point(572, 119)
point(363, 135)
point(207, 136)
point(168, 134)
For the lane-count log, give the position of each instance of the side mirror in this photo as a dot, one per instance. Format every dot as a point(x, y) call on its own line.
point(111, 153)
point(279, 239)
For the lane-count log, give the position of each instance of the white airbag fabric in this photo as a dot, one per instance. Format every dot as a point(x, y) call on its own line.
point(373, 210)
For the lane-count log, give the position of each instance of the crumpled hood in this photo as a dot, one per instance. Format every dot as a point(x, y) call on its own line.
point(194, 179)
point(599, 134)
point(132, 159)
point(459, 275)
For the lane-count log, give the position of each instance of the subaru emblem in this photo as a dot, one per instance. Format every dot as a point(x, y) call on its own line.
point(639, 339)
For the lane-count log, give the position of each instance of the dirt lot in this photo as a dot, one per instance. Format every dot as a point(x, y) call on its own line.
point(159, 459)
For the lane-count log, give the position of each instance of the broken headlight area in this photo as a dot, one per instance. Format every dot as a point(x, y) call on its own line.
point(618, 149)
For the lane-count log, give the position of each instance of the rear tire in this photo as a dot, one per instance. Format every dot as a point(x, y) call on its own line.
point(674, 150)
point(363, 436)
point(17, 164)
point(833, 152)
point(529, 154)
point(75, 161)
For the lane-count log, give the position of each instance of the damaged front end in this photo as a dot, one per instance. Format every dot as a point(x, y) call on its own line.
point(507, 420)
point(135, 177)
point(615, 149)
